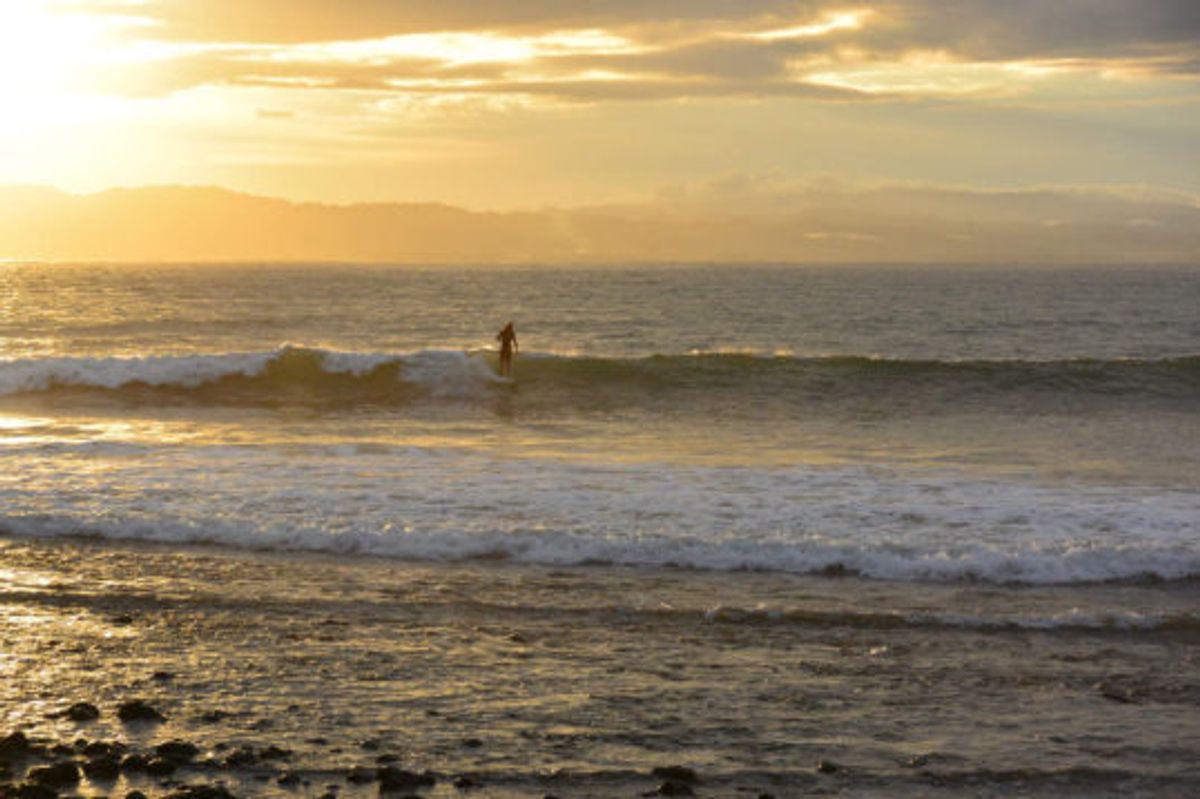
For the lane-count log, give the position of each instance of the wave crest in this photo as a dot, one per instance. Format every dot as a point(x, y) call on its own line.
point(298, 374)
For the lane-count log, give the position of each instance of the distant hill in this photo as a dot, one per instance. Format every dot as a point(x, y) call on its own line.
point(805, 224)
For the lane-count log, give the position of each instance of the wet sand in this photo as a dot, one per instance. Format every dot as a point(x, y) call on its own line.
point(530, 681)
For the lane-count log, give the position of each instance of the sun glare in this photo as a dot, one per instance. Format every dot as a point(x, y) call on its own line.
point(45, 52)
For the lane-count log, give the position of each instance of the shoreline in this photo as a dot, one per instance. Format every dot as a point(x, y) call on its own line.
point(580, 681)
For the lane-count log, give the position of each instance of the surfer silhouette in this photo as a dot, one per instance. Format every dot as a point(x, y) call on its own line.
point(508, 345)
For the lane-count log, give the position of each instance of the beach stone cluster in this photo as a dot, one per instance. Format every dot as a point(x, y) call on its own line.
point(33, 768)
point(37, 768)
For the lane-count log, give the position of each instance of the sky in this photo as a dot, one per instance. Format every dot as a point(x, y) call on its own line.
point(540, 104)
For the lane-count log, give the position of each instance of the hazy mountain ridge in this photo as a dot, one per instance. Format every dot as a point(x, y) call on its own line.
point(720, 222)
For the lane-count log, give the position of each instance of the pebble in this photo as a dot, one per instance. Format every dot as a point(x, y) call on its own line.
point(15, 745)
point(80, 711)
point(201, 792)
point(177, 751)
point(398, 779)
point(103, 767)
point(161, 766)
point(55, 776)
point(138, 710)
point(677, 773)
point(241, 757)
point(134, 762)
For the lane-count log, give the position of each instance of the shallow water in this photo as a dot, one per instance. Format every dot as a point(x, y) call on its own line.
point(582, 680)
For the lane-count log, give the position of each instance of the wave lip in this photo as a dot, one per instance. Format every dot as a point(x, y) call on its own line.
point(289, 373)
point(292, 373)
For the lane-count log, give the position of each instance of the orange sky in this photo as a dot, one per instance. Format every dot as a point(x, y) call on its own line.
point(531, 103)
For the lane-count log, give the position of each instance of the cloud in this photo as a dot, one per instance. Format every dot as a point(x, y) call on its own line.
point(632, 49)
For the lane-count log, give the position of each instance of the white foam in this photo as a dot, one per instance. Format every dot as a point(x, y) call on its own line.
point(188, 371)
point(442, 372)
point(452, 504)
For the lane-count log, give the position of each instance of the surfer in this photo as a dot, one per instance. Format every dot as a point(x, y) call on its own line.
point(508, 345)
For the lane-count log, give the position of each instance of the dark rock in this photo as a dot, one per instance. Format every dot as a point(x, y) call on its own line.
point(398, 779)
point(178, 752)
point(83, 711)
point(122, 619)
point(677, 773)
point(241, 757)
point(134, 762)
point(317, 741)
point(98, 748)
point(213, 716)
point(162, 676)
point(672, 788)
point(135, 795)
point(262, 724)
point(289, 778)
point(472, 743)
point(80, 711)
point(138, 710)
point(161, 766)
point(383, 760)
point(62, 750)
point(274, 752)
point(371, 744)
point(104, 767)
point(765, 795)
point(15, 745)
point(55, 776)
point(32, 791)
point(360, 775)
point(201, 792)
point(465, 783)
point(328, 795)
point(828, 767)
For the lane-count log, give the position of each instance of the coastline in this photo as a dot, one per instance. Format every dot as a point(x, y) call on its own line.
point(519, 680)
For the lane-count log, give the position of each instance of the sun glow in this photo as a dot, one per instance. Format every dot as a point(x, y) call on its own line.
point(47, 53)
point(840, 21)
point(451, 49)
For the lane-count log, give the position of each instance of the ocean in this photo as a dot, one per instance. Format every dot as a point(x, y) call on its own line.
point(934, 527)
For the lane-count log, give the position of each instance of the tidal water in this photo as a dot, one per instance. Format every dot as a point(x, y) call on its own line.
point(1003, 424)
point(937, 527)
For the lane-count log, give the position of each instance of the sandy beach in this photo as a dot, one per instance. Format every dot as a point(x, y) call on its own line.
point(302, 675)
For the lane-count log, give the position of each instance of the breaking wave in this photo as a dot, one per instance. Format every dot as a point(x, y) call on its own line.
point(303, 375)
